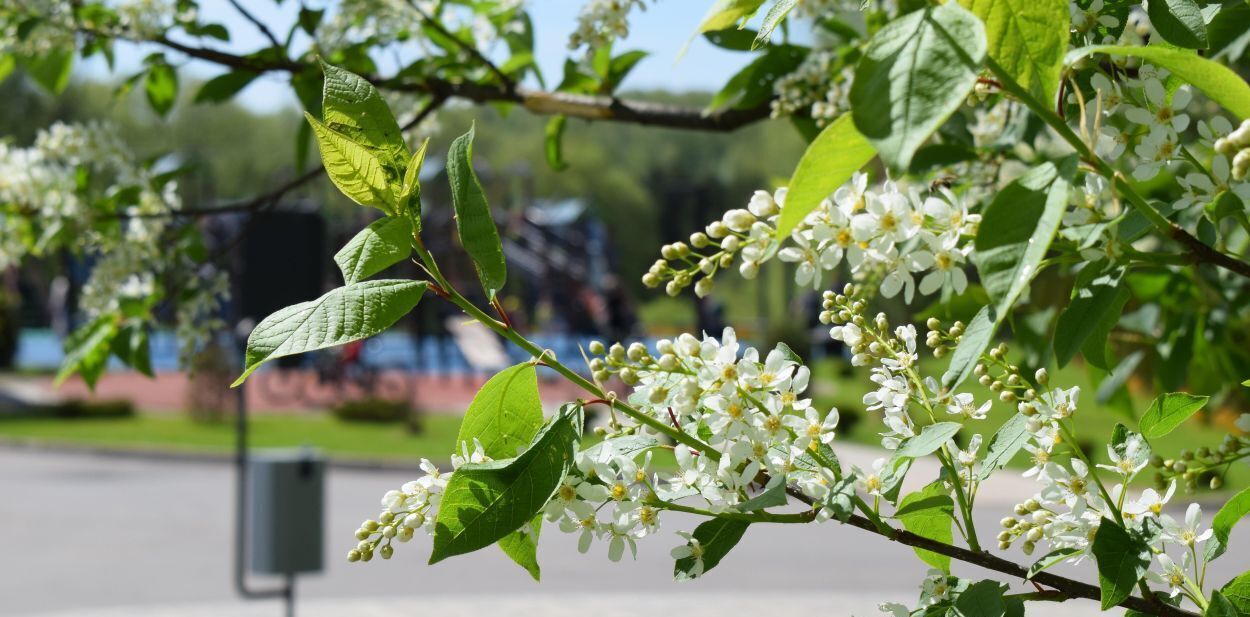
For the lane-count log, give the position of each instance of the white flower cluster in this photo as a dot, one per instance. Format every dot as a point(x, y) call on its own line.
point(601, 22)
point(404, 511)
point(817, 88)
point(384, 22)
point(895, 233)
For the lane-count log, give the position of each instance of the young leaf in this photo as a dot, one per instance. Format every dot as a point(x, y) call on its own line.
point(772, 497)
point(553, 144)
point(753, 85)
point(1179, 22)
point(87, 350)
point(161, 87)
point(929, 440)
point(772, 19)
point(1222, 526)
point(1217, 81)
point(410, 190)
point(223, 87)
point(985, 599)
point(916, 71)
point(1007, 441)
point(1237, 591)
point(1122, 561)
point(829, 161)
point(354, 169)
point(50, 68)
point(1168, 412)
point(505, 414)
point(976, 338)
point(384, 243)
point(1016, 230)
point(473, 217)
point(1052, 558)
point(1028, 39)
point(716, 538)
point(1095, 307)
point(929, 513)
point(726, 13)
point(483, 503)
point(353, 107)
point(522, 547)
point(1221, 606)
point(343, 315)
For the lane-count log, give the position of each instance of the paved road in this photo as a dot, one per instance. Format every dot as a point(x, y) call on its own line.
point(85, 535)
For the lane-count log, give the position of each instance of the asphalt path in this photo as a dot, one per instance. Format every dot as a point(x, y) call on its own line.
point(82, 534)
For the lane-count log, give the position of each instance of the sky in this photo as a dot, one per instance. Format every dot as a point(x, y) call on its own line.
point(663, 29)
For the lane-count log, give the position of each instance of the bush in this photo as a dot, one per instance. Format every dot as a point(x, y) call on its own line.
point(377, 410)
point(81, 409)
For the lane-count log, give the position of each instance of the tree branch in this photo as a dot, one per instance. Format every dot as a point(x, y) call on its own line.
point(260, 25)
point(464, 45)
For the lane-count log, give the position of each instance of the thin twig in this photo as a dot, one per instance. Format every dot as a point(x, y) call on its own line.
point(260, 25)
point(462, 44)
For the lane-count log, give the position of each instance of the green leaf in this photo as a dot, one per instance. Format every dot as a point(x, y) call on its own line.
point(1007, 441)
point(223, 87)
point(1016, 230)
point(1095, 307)
point(929, 440)
point(87, 350)
point(51, 68)
point(353, 168)
point(984, 599)
point(132, 347)
point(772, 19)
point(1217, 81)
point(1222, 526)
point(522, 547)
point(353, 107)
point(1122, 561)
point(553, 143)
point(726, 13)
point(410, 190)
point(483, 503)
point(1237, 591)
point(929, 513)
point(1051, 559)
point(1179, 22)
point(161, 87)
point(1221, 606)
point(733, 39)
point(977, 337)
point(916, 71)
point(1168, 412)
point(1028, 39)
point(621, 66)
point(829, 161)
point(752, 86)
point(772, 497)
point(384, 243)
point(716, 538)
point(357, 311)
point(473, 217)
point(505, 414)
point(628, 446)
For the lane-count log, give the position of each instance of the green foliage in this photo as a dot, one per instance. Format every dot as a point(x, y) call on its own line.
point(1028, 39)
point(353, 107)
point(351, 313)
point(505, 414)
point(752, 86)
point(1237, 591)
point(830, 160)
point(1122, 561)
point(929, 440)
point(1052, 558)
point(1179, 22)
point(223, 87)
point(353, 168)
point(1016, 230)
point(1094, 309)
point(914, 74)
point(1220, 606)
point(384, 243)
point(1215, 80)
point(161, 85)
point(474, 221)
point(1222, 525)
point(1168, 412)
point(987, 599)
point(87, 350)
point(1005, 444)
point(716, 538)
point(930, 513)
point(772, 19)
point(372, 410)
point(976, 339)
point(483, 503)
point(727, 13)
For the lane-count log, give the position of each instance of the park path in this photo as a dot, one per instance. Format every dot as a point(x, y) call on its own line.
point(113, 537)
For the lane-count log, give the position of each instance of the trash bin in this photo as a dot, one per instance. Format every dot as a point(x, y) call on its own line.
point(287, 511)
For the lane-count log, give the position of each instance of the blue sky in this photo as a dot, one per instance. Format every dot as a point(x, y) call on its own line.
point(663, 29)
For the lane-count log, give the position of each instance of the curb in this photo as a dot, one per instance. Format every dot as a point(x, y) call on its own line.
point(191, 456)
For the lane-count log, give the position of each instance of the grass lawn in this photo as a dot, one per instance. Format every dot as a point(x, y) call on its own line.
point(177, 432)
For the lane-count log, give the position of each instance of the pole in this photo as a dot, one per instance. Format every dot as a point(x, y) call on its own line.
point(287, 591)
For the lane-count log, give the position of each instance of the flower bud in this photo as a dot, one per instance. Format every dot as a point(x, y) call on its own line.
point(1042, 376)
point(717, 229)
point(1008, 522)
point(629, 376)
point(602, 376)
point(650, 280)
point(933, 323)
point(699, 240)
point(668, 251)
point(636, 352)
point(353, 556)
point(369, 525)
point(739, 219)
point(672, 289)
point(749, 270)
point(731, 244)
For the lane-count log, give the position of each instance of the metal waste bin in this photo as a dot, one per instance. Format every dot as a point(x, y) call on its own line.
point(287, 497)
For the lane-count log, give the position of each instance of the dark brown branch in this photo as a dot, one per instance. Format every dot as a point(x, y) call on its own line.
point(260, 25)
point(603, 108)
point(1201, 252)
point(1069, 587)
